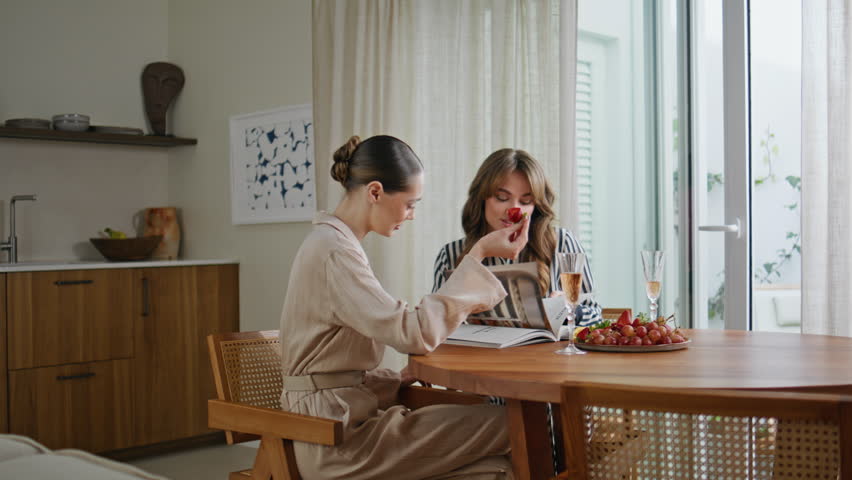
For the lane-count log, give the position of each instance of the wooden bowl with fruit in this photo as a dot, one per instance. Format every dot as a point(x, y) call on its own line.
point(117, 247)
point(637, 335)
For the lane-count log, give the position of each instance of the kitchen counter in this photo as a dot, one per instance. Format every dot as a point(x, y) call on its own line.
point(48, 265)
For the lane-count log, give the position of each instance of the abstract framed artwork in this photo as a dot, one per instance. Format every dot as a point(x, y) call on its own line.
point(272, 166)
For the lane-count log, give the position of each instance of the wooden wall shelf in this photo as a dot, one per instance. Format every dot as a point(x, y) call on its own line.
point(94, 137)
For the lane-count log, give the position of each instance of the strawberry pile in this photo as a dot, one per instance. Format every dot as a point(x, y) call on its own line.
point(640, 331)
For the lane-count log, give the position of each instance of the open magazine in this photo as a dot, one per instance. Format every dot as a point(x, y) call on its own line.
point(522, 318)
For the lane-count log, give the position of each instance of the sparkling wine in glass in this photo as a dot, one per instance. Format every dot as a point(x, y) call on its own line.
point(652, 265)
point(571, 278)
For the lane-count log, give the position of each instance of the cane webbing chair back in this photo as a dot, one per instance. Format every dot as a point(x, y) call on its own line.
point(661, 433)
point(248, 374)
point(247, 369)
point(253, 370)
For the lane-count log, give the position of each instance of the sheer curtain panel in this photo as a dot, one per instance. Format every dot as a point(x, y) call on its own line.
point(456, 79)
point(826, 170)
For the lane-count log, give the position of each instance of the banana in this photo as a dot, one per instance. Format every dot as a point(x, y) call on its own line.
point(114, 233)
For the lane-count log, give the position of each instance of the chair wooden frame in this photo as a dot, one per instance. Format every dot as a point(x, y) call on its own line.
point(614, 313)
point(277, 429)
point(576, 396)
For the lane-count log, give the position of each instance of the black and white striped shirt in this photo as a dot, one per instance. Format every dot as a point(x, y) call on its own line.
point(588, 312)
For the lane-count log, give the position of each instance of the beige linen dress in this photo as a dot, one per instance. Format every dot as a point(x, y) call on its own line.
point(336, 318)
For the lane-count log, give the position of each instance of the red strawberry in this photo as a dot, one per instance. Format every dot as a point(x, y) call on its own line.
point(624, 318)
point(514, 215)
point(583, 334)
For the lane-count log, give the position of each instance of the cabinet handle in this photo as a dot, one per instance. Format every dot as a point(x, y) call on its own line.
point(75, 377)
point(146, 304)
point(62, 283)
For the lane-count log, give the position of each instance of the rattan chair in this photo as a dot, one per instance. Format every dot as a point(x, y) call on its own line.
point(614, 313)
point(247, 372)
point(714, 434)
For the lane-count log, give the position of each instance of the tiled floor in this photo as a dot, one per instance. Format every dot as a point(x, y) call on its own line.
point(204, 463)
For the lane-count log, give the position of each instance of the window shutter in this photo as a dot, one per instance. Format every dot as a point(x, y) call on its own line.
point(584, 153)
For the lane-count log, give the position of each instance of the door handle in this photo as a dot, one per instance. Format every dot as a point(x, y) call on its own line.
point(75, 377)
point(732, 228)
point(62, 283)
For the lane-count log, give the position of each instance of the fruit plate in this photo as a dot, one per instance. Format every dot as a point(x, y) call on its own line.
point(633, 348)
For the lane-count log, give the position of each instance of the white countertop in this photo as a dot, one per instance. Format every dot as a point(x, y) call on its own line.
point(48, 265)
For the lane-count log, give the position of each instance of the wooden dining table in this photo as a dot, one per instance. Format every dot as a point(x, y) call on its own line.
point(529, 377)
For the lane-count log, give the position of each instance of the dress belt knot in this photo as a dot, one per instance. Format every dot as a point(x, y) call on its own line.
point(322, 381)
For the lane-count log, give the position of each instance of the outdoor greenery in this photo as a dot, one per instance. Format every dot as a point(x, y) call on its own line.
point(769, 271)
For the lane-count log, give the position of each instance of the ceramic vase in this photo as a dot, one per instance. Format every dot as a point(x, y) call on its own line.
point(163, 221)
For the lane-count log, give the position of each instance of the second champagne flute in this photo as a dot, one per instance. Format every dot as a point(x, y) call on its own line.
point(571, 277)
point(652, 264)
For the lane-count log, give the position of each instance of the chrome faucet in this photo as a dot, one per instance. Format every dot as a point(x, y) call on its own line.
point(12, 244)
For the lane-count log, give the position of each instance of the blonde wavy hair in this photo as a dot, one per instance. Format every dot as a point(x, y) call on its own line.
point(491, 174)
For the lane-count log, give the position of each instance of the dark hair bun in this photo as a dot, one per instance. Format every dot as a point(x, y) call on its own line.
point(342, 156)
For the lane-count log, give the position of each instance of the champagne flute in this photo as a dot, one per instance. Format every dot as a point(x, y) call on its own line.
point(571, 278)
point(652, 265)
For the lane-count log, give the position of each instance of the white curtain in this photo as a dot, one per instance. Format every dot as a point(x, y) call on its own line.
point(826, 170)
point(456, 79)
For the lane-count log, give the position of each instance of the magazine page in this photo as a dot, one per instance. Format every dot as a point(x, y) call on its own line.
point(556, 312)
point(523, 307)
point(497, 337)
point(522, 317)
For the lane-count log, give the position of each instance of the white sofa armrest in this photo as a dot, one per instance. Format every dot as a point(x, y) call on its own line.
point(14, 446)
point(22, 457)
point(51, 467)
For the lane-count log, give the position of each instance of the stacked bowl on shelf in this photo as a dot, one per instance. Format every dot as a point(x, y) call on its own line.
point(34, 123)
point(71, 122)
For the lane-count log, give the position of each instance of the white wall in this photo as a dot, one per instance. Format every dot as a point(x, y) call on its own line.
point(238, 57)
point(610, 37)
point(84, 56)
point(81, 190)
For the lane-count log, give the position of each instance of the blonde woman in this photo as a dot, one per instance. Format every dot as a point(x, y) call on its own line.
point(337, 320)
point(511, 178)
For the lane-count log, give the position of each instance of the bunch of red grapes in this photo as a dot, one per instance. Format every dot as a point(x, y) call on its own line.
point(636, 333)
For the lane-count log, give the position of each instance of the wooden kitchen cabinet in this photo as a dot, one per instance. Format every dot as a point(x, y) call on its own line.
point(69, 316)
point(83, 405)
point(179, 308)
point(108, 359)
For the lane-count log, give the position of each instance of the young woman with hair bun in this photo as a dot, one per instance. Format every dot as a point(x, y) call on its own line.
point(337, 320)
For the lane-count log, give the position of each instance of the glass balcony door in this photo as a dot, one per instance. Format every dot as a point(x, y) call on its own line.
point(746, 79)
